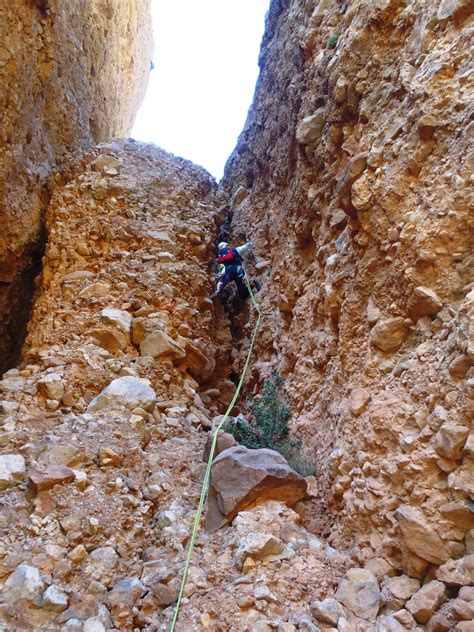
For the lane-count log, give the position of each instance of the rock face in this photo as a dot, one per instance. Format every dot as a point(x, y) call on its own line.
point(241, 477)
point(357, 182)
point(72, 74)
point(351, 178)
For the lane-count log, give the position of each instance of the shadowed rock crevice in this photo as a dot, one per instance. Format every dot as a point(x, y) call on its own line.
point(16, 298)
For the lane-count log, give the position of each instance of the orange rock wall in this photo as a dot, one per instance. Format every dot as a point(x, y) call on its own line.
point(71, 74)
point(354, 173)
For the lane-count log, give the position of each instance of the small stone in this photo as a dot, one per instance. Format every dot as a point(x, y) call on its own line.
point(397, 590)
point(457, 572)
point(423, 302)
point(40, 480)
point(12, 470)
point(262, 592)
point(165, 595)
point(459, 367)
point(72, 625)
point(107, 456)
point(51, 386)
point(105, 557)
point(389, 334)
point(424, 602)
point(466, 593)
point(359, 591)
point(117, 317)
point(93, 625)
point(359, 400)
point(24, 584)
point(126, 593)
point(310, 129)
point(54, 599)
point(78, 553)
point(450, 440)
point(420, 537)
point(327, 611)
point(258, 546)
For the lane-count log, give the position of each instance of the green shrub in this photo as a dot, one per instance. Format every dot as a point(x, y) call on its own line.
point(332, 42)
point(269, 428)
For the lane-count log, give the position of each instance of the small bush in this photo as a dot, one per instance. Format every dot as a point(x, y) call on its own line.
point(270, 426)
point(332, 42)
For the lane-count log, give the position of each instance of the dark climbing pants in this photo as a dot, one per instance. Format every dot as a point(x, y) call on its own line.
point(235, 273)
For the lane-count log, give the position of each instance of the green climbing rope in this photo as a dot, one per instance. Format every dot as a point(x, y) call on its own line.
point(207, 475)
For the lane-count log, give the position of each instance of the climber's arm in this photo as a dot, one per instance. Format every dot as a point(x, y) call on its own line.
point(244, 248)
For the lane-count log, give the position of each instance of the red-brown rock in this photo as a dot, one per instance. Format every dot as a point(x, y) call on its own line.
point(241, 478)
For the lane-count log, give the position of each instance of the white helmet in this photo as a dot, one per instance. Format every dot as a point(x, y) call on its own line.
point(222, 246)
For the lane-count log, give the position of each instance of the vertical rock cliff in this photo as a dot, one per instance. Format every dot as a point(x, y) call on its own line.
point(353, 178)
point(71, 74)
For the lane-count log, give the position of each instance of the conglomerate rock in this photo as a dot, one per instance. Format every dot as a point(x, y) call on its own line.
point(72, 74)
point(352, 179)
point(354, 182)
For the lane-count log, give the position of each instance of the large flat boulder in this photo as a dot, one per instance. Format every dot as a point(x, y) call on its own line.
point(241, 478)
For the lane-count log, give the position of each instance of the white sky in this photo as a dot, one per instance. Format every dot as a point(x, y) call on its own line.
point(206, 66)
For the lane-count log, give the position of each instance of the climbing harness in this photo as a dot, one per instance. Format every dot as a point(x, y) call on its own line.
point(207, 475)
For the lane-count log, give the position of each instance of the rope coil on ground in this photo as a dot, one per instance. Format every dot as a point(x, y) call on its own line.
point(207, 475)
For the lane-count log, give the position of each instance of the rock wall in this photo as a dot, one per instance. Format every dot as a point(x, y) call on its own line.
point(71, 74)
point(352, 177)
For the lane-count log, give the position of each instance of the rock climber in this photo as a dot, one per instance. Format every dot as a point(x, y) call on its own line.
point(230, 268)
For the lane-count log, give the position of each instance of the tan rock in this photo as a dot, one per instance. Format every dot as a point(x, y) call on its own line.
point(359, 400)
point(359, 591)
point(389, 334)
point(450, 440)
point(113, 341)
point(40, 480)
point(224, 441)
point(461, 513)
point(423, 302)
point(158, 345)
point(241, 478)
point(457, 572)
point(310, 128)
point(420, 537)
point(424, 602)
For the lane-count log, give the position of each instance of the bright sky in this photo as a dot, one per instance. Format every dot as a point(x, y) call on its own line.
point(206, 66)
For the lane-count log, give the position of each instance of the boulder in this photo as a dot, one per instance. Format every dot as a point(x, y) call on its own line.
point(423, 302)
point(389, 334)
point(450, 440)
point(117, 317)
point(40, 480)
point(51, 386)
point(328, 611)
point(460, 513)
point(54, 599)
point(12, 470)
point(359, 401)
point(457, 572)
point(310, 129)
point(241, 478)
point(110, 339)
point(396, 591)
point(259, 546)
point(126, 593)
point(420, 537)
point(158, 345)
point(224, 441)
point(124, 393)
point(359, 591)
point(426, 600)
point(23, 585)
